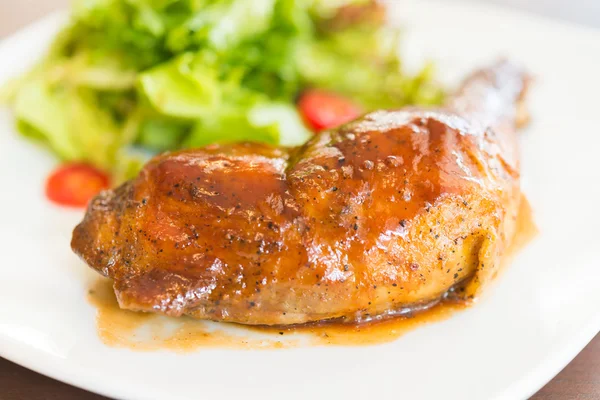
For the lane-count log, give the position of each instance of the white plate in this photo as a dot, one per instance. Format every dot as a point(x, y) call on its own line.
point(541, 312)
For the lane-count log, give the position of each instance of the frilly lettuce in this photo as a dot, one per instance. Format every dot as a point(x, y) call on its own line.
point(161, 75)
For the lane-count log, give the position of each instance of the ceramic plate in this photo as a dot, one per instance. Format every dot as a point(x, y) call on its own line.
point(530, 323)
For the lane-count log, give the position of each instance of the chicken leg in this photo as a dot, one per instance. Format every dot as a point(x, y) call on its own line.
point(386, 214)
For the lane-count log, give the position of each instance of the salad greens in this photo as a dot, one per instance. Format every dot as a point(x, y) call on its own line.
point(168, 74)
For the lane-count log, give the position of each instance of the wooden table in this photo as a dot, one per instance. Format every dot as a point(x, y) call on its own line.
point(579, 381)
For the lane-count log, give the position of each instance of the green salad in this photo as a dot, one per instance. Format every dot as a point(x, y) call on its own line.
point(128, 78)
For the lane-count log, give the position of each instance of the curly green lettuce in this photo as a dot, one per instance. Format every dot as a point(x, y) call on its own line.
point(131, 77)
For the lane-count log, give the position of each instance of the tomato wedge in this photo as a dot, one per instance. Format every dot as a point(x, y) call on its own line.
point(75, 184)
point(324, 110)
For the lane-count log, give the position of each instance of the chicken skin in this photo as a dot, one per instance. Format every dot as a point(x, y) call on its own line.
point(385, 214)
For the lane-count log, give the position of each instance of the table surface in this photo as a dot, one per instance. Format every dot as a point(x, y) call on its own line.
point(580, 380)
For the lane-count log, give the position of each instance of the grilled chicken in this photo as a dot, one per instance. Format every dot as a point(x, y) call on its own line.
point(388, 213)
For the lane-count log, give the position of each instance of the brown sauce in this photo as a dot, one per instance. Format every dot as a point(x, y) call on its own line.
point(525, 231)
point(142, 331)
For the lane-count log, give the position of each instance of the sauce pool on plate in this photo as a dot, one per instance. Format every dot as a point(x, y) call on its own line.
point(143, 331)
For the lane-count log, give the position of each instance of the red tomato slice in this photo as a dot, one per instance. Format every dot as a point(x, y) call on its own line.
point(75, 184)
point(324, 110)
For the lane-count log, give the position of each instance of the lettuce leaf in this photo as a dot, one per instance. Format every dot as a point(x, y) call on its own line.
point(70, 122)
point(129, 78)
point(182, 88)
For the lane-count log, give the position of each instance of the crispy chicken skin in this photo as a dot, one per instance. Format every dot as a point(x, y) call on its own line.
point(389, 212)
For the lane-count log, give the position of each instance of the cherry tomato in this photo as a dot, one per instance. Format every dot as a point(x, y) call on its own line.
point(323, 110)
point(75, 184)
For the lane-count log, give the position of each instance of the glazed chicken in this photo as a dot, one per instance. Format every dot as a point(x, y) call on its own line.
point(381, 216)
